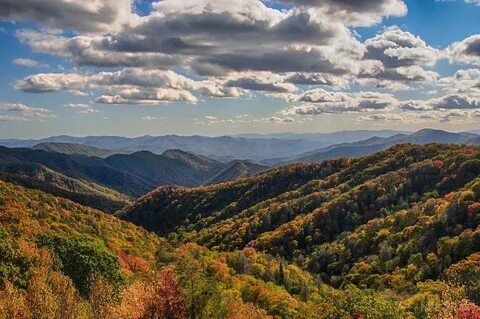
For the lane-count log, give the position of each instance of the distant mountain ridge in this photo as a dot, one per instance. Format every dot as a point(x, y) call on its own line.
point(78, 149)
point(215, 147)
point(237, 169)
point(376, 144)
point(329, 138)
point(108, 183)
point(225, 148)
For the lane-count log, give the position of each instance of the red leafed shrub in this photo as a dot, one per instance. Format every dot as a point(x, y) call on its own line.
point(133, 263)
point(468, 311)
point(168, 301)
point(438, 164)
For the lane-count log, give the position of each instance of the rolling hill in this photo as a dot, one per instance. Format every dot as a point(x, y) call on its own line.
point(62, 260)
point(391, 235)
point(237, 169)
point(37, 176)
point(107, 183)
point(402, 215)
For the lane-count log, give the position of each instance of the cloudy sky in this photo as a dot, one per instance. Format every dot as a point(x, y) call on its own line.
point(213, 67)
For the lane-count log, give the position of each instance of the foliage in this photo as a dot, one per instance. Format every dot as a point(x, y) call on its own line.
point(82, 260)
point(391, 235)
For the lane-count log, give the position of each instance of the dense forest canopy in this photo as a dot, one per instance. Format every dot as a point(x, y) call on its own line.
point(391, 235)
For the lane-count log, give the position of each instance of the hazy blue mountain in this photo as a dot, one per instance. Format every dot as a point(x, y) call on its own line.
point(129, 174)
point(224, 148)
point(376, 144)
point(78, 149)
point(237, 169)
point(329, 138)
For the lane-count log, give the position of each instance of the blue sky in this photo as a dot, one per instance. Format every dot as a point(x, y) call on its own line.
point(366, 68)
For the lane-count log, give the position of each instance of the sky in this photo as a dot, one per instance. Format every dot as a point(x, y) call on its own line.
point(217, 67)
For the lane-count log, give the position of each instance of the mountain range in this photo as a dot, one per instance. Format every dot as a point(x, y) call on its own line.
point(108, 183)
point(251, 147)
point(404, 214)
point(224, 148)
point(391, 235)
point(109, 178)
point(269, 149)
point(376, 144)
point(77, 149)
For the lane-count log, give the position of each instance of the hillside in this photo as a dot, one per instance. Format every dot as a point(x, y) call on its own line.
point(237, 169)
point(78, 176)
point(62, 260)
point(391, 219)
point(27, 214)
point(76, 149)
point(37, 176)
point(373, 222)
point(84, 168)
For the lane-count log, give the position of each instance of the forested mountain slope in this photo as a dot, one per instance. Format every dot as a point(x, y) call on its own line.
point(390, 219)
point(237, 169)
point(37, 176)
point(78, 149)
point(390, 222)
point(107, 183)
point(26, 215)
point(61, 260)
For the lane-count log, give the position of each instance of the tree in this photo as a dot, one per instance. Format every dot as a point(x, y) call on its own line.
point(51, 295)
point(102, 297)
point(240, 310)
point(166, 301)
point(13, 304)
point(281, 275)
point(82, 259)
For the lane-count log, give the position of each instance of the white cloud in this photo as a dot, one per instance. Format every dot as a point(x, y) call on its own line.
point(319, 101)
point(28, 62)
point(229, 49)
point(149, 118)
point(462, 82)
point(17, 112)
point(214, 37)
point(147, 96)
point(88, 16)
point(81, 108)
point(396, 57)
point(260, 81)
point(357, 13)
point(128, 86)
point(460, 116)
point(455, 101)
point(466, 51)
point(326, 79)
